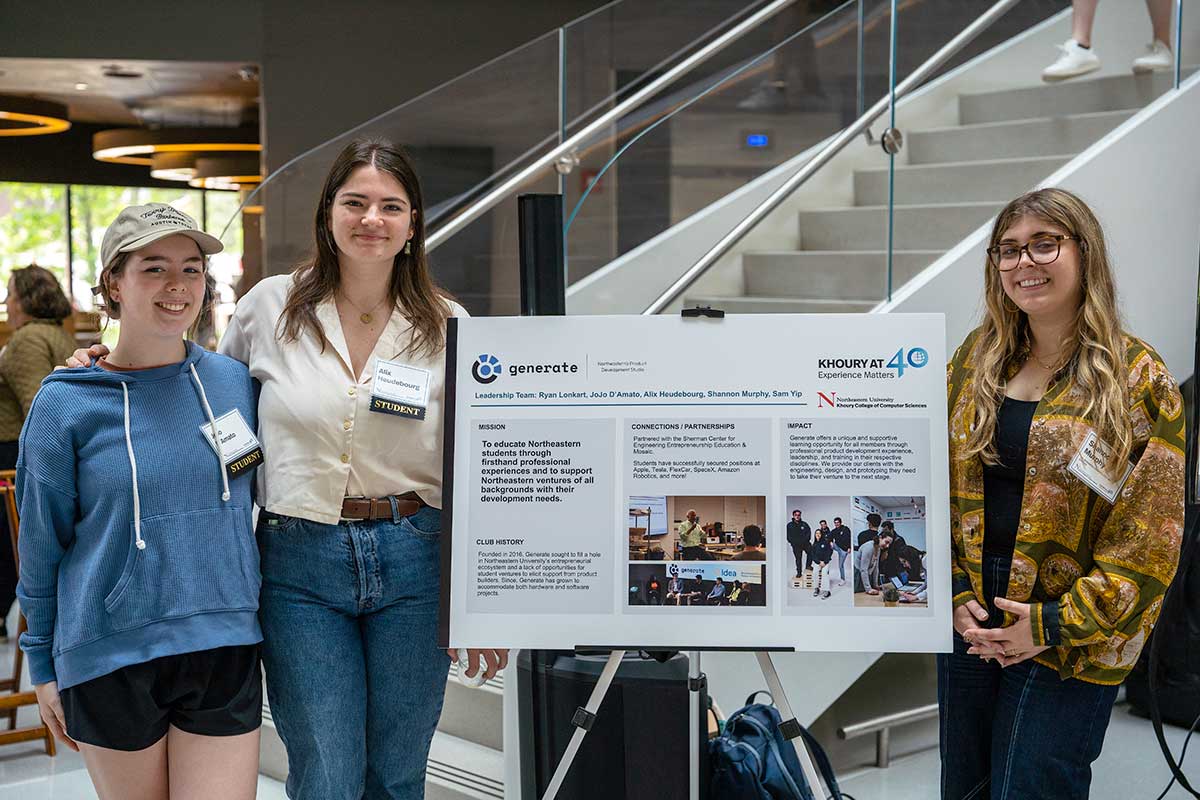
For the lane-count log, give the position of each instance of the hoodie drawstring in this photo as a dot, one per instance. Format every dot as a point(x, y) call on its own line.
point(137, 500)
point(216, 435)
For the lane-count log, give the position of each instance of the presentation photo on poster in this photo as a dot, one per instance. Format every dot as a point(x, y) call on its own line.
point(692, 483)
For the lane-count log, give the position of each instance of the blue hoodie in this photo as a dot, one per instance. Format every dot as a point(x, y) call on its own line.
point(135, 542)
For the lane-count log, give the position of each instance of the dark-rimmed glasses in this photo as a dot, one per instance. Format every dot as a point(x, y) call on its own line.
point(1042, 250)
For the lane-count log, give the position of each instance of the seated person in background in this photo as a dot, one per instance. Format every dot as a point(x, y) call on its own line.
point(920, 592)
point(736, 594)
point(752, 538)
point(697, 590)
point(744, 597)
point(654, 591)
point(36, 308)
point(674, 589)
point(717, 596)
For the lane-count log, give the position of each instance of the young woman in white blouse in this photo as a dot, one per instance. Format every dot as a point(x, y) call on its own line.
point(350, 493)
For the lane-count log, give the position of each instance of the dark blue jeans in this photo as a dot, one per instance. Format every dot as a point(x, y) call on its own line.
point(354, 674)
point(1016, 733)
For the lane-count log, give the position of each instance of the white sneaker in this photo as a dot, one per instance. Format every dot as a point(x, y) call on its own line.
point(1073, 62)
point(1158, 56)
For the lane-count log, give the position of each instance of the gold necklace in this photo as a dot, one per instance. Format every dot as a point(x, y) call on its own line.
point(365, 317)
point(1052, 369)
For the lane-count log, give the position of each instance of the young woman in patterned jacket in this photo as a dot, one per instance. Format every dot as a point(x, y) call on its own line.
point(1066, 495)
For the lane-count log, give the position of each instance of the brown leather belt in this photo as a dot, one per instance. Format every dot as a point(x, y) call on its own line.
point(378, 507)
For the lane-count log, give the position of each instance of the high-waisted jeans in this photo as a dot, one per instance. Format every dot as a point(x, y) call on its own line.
point(355, 678)
point(1019, 732)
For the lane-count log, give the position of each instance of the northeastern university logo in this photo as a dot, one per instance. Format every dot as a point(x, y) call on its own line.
point(486, 368)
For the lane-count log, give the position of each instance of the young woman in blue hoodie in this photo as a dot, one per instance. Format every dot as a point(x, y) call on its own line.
point(139, 569)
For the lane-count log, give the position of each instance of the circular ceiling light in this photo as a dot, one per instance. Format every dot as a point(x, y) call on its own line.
point(24, 116)
point(173, 166)
point(226, 171)
point(137, 145)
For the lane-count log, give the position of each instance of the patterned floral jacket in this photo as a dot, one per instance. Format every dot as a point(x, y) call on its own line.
point(1094, 572)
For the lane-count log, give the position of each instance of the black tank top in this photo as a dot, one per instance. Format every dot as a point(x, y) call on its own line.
point(1004, 483)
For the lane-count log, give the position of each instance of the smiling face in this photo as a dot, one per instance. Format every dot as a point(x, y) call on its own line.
point(160, 289)
point(1045, 292)
point(371, 217)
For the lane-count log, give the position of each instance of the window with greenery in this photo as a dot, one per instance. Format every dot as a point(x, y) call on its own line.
point(35, 228)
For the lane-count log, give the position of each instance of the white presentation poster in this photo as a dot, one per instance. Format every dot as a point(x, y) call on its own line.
point(655, 481)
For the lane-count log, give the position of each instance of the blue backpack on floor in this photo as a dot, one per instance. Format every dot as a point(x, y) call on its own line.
point(751, 759)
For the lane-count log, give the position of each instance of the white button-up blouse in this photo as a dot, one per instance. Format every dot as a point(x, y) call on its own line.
point(321, 442)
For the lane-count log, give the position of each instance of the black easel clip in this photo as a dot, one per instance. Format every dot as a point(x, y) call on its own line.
point(583, 719)
point(698, 683)
point(790, 728)
point(702, 311)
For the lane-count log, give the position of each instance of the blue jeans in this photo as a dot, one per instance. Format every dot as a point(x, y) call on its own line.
point(841, 554)
point(1016, 733)
point(355, 678)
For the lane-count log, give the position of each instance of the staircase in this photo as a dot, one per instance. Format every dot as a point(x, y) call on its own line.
point(952, 180)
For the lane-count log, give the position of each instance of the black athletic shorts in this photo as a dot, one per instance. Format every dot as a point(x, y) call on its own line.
point(214, 692)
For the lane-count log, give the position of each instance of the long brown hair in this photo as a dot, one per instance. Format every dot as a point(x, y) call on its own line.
point(411, 289)
point(1095, 350)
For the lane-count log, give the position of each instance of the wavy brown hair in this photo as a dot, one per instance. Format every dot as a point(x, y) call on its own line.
point(1094, 349)
point(411, 290)
point(40, 294)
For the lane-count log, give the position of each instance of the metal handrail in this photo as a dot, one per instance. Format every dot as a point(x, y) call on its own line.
point(839, 142)
point(506, 187)
point(882, 728)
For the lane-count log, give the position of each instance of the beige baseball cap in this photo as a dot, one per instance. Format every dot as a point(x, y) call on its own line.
point(138, 226)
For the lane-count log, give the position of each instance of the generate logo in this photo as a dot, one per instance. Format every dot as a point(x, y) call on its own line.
point(486, 368)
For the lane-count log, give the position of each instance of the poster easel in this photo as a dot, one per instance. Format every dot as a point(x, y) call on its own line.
point(585, 717)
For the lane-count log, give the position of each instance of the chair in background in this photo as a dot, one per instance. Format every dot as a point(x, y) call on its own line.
point(11, 696)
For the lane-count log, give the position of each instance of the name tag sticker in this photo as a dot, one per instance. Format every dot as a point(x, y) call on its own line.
point(400, 390)
point(1089, 466)
point(239, 445)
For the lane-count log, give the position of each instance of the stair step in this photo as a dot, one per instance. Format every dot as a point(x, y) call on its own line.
point(831, 274)
point(780, 305)
point(961, 182)
point(474, 715)
point(933, 226)
point(1081, 96)
point(462, 770)
point(1044, 136)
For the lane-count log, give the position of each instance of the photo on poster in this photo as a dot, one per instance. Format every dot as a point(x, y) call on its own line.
point(697, 528)
point(820, 554)
point(890, 549)
point(698, 584)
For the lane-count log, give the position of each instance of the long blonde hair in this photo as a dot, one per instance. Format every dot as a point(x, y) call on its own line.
point(1095, 349)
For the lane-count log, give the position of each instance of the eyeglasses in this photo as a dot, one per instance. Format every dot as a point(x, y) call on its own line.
point(1042, 250)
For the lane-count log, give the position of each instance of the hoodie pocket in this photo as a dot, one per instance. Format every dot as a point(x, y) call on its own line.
point(194, 562)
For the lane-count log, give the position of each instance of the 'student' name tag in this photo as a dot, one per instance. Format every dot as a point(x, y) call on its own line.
point(400, 390)
point(1088, 464)
point(239, 445)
